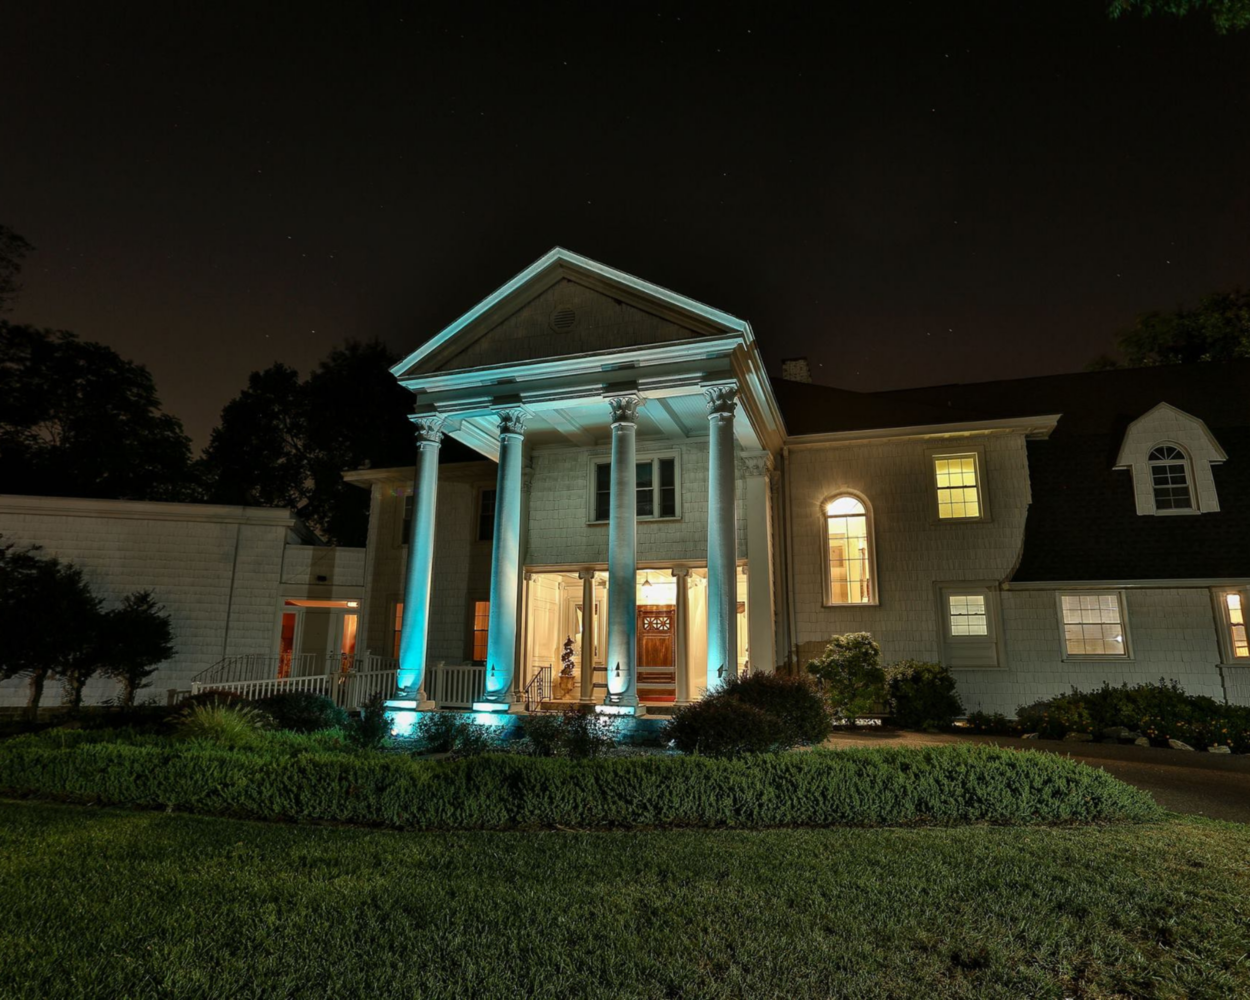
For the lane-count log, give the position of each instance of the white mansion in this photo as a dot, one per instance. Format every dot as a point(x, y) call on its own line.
point(651, 513)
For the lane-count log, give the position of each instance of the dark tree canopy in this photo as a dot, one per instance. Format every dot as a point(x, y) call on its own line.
point(1226, 15)
point(13, 250)
point(286, 442)
point(48, 617)
point(137, 637)
point(76, 419)
point(1218, 329)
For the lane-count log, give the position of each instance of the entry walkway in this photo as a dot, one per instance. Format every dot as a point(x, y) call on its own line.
point(1201, 784)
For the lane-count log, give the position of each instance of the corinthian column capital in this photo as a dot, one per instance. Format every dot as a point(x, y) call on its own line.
point(624, 408)
point(511, 422)
point(721, 400)
point(429, 429)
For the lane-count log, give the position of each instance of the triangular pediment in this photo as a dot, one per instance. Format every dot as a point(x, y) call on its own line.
point(565, 305)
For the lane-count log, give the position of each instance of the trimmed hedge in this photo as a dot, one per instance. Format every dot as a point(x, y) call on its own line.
point(861, 787)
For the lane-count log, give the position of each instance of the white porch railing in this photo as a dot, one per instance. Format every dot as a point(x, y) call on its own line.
point(455, 685)
point(349, 680)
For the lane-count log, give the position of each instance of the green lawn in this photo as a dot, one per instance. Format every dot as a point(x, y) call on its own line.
point(108, 903)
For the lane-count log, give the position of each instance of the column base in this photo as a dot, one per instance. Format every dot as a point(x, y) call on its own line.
point(410, 705)
point(498, 707)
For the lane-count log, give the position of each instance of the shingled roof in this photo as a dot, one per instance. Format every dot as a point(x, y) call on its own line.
point(1083, 522)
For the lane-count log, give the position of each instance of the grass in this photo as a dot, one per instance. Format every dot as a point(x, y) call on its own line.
point(111, 903)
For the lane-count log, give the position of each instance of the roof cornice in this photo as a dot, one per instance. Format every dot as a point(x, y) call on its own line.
point(1036, 428)
point(146, 510)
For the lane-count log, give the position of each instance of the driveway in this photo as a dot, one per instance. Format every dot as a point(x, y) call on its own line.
point(1201, 784)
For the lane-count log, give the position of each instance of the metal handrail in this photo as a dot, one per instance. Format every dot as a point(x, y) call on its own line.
point(538, 689)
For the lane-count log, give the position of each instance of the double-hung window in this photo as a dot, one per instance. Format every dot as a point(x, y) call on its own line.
point(1170, 479)
point(657, 494)
point(1232, 607)
point(969, 613)
point(1094, 625)
point(850, 574)
point(958, 484)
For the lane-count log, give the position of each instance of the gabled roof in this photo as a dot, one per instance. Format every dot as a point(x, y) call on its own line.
point(561, 263)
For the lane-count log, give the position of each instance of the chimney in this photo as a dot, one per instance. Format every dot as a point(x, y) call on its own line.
point(796, 370)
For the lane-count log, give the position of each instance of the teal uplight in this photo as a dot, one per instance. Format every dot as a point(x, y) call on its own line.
point(491, 708)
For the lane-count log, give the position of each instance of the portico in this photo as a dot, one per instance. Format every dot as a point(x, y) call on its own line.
point(637, 416)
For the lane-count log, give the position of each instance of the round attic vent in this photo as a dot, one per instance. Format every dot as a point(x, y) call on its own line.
point(562, 319)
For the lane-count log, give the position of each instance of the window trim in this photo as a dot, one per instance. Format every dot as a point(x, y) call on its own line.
point(408, 498)
point(474, 630)
point(1224, 626)
point(1122, 597)
point(989, 589)
point(977, 452)
point(479, 492)
point(1193, 507)
point(595, 461)
point(826, 571)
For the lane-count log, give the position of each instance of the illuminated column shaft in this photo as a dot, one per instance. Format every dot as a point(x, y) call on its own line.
point(414, 637)
point(756, 505)
point(505, 562)
point(623, 556)
point(722, 557)
point(681, 633)
point(588, 633)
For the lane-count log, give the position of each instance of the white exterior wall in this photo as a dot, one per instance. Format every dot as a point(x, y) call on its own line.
point(914, 551)
point(461, 566)
point(1172, 634)
point(215, 569)
point(559, 534)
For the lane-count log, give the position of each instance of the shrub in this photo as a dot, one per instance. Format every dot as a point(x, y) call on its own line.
point(217, 696)
point(372, 727)
point(543, 731)
point(794, 700)
point(449, 732)
point(922, 695)
point(303, 711)
point(586, 733)
point(1159, 711)
point(725, 727)
point(236, 726)
point(996, 724)
point(851, 674)
point(862, 787)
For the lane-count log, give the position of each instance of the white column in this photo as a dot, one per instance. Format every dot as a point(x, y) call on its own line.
point(501, 638)
point(622, 693)
point(756, 499)
point(722, 557)
point(588, 634)
point(415, 629)
point(681, 633)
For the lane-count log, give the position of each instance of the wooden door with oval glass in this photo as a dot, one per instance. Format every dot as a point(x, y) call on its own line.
point(657, 673)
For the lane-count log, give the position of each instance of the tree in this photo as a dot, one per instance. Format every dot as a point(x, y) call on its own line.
point(283, 442)
point(257, 455)
point(48, 617)
point(850, 671)
point(137, 638)
point(1217, 330)
point(1226, 15)
point(76, 419)
point(13, 250)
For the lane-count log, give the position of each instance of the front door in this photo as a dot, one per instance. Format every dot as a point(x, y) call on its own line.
point(657, 676)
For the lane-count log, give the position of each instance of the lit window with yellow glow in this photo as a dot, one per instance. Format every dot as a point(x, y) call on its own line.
point(958, 488)
point(848, 553)
point(1093, 625)
point(1234, 609)
point(481, 630)
point(967, 614)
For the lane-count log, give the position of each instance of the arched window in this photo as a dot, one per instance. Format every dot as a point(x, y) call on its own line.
point(848, 552)
point(1170, 479)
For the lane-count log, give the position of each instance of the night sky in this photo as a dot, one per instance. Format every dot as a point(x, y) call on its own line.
point(906, 193)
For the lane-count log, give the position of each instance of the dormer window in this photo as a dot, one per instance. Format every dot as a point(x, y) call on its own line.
point(1170, 454)
point(1170, 479)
